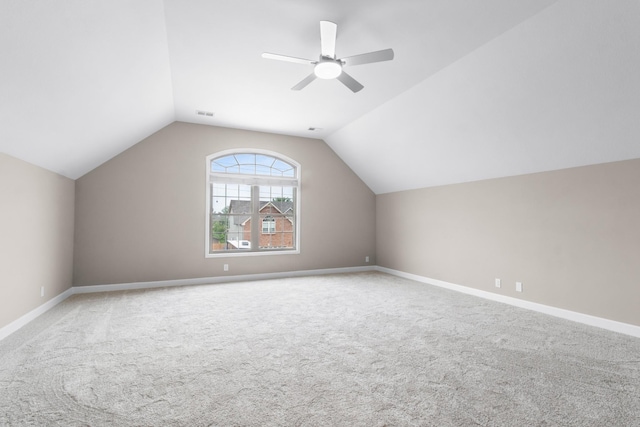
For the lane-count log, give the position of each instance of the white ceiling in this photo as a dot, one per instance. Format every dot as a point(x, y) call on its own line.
point(477, 89)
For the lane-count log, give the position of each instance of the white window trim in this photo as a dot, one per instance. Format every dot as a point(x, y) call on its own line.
point(251, 180)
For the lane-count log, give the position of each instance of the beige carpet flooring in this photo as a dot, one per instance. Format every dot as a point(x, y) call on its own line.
point(363, 349)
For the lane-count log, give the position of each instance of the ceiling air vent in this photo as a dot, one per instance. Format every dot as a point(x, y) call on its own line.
point(204, 113)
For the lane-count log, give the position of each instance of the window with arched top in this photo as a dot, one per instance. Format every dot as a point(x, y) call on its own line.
point(252, 203)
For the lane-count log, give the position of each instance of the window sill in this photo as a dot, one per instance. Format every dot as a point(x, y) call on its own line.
point(253, 253)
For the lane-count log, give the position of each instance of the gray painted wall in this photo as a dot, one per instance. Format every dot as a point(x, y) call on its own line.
point(36, 236)
point(141, 215)
point(571, 236)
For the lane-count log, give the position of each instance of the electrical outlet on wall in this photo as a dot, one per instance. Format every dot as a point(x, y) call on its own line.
point(225, 267)
point(518, 286)
point(41, 291)
point(366, 259)
point(498, 283)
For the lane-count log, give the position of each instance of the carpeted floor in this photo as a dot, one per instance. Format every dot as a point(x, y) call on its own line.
point(363, 349)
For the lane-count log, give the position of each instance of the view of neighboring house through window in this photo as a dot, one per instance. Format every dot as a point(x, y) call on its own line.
point(268, 225)
point(252, 203)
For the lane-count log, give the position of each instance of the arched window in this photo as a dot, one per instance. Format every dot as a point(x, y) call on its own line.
point(252, 203)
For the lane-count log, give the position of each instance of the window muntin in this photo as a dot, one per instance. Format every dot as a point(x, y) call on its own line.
point(252, 203)
point(252, 164)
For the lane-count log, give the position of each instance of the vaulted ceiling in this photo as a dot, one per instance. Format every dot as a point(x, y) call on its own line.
point(477, 89)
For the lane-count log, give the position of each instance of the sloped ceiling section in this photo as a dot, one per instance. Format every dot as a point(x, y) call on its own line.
point(215, 49)
point(81, 80)
point(477, 89)
point(560, 90)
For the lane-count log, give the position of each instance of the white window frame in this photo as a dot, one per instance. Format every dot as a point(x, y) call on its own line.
point(252, 180)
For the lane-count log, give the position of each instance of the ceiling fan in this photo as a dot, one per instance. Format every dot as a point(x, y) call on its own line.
point(330, 67)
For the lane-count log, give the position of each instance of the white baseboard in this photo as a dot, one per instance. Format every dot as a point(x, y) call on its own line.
point(214, 280)
point(611, 325)
point(22, 321)
point(586, 319)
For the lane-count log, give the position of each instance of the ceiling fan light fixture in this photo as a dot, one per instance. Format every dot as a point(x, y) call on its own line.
point(327, 70)
point(328, 66)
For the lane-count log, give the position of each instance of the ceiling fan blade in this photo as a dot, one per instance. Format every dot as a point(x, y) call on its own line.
point(328, 33)
point(349, 82)
point(367, 58)
point(288, 58)
point(311, 77)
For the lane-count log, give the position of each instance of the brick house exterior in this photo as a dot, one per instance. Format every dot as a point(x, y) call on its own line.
point(276, 230)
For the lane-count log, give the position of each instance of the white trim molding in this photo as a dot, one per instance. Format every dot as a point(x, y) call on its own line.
point(25, 319)
point(214, 280)
point(33, 314)
point(599, 322)
point(611, 325)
